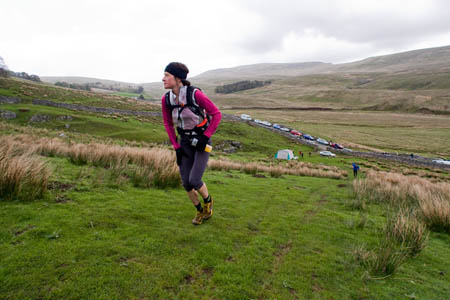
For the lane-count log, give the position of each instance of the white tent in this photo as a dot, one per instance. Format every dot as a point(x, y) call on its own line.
point(284, 154)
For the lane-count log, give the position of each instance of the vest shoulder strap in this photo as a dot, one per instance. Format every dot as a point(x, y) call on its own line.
point(190, 101)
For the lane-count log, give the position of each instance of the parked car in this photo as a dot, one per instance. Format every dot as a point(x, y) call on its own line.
point(285, 129)
point(266, 123)
point(257, 121)
point(322, 141)
point(246, 117)
point(327, 153)
point(348, 150)
point(308, 137)
point(336, 146)
point(295, 132)
point(441, 161)
point(276, 126)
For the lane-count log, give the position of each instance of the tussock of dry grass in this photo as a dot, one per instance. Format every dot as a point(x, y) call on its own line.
point(432, 199)
point(413, 204)
point(151, 166)
point(388, 257)
point(299, 169)
point(407, 229)
point(23, 175)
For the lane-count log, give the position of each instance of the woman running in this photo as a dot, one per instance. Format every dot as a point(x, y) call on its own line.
point(196, 118)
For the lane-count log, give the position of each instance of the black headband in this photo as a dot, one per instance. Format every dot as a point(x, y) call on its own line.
point(176, 71)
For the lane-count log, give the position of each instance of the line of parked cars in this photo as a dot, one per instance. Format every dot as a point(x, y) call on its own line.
point(441, 161)
point(298, 134)
point(319, 140)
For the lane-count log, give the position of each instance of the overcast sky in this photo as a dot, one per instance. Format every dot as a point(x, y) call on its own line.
point(132, 40)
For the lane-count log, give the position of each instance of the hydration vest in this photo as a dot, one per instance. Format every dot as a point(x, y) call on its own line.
point(194, 107)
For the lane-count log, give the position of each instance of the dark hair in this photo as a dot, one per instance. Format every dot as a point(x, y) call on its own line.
point(179, 70)
point(185, 82)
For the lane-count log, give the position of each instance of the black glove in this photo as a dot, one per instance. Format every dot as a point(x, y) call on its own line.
point(180, 154)
point(201, 143)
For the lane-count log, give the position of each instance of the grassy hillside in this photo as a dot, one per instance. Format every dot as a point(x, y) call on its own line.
point(84, 80)
point(98, 233)
point(416, 60)
point(27, 91)
point(269, 238)
point(361, 126)
point(413, 81)
point(436, 59)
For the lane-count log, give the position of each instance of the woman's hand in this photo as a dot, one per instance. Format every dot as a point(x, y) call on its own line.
point(202, 141)
point(179, 152)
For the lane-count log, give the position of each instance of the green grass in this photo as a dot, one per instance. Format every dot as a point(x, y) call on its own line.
point(96, 236)
point(125, 127)
point(410, 81)
point(130, 95)
point(28, 91)
point(269, 238)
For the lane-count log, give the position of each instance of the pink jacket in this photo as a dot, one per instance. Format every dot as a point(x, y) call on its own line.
point(189, 118)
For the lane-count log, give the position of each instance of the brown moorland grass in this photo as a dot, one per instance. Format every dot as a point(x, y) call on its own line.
point(406, 228)
point(153, 166)
point(157, 165)
point(432, 199)
point(292, 168)
point(24, 176)
point(413, 205)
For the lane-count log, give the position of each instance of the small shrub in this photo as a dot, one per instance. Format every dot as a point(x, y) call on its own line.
point(361, 255)
point(405, 228)
point(387, 258)
point(363, 219)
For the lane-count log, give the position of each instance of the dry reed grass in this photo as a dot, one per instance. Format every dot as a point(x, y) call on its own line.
point(24, 176)
point(387, 258)
point(292, 168)
point(432, 199)
point(413, 204)
point(151, 166)
point(406, 228)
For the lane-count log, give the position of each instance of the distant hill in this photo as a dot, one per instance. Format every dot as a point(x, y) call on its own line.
point(406, 81)
point(264, 70)
point(417, 60)
point(412, 61)
point(84, 80)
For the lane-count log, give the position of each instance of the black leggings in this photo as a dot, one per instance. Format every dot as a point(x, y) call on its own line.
point(193, 165)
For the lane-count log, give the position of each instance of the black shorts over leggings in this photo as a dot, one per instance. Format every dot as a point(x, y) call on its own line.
point(193, 165)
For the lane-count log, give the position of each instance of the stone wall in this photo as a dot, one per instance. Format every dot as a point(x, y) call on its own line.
point(94, 109)
point(9, 100)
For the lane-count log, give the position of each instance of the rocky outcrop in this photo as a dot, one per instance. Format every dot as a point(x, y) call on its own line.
point(65, 118)
point(38, 118)
point(9, 100)
point(228, 146)
point(6, 114)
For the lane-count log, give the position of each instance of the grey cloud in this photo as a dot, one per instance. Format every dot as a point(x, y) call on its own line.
point(388, 27)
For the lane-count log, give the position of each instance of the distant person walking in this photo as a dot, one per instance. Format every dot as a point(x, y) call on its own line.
point(355, 169)
point(196, 118)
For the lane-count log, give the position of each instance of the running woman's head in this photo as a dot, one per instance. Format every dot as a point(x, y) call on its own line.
point(175, 74)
